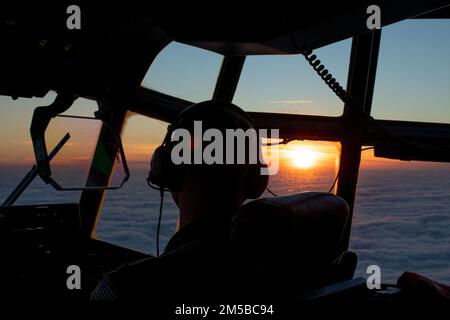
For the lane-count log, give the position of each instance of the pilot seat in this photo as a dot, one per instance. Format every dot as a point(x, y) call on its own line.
point(297, 240)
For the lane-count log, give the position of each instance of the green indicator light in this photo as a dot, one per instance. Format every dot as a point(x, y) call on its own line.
point(43, 43)
point(10, 22)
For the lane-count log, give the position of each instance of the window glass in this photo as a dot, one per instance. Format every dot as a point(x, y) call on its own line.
point(413, 75)
point(17, 156)
point(304, 166)
point(401, 220)
point(288, 84)
point(129, 216)
point(185, 72)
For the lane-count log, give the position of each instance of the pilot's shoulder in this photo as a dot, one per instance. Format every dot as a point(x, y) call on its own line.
point(133, 279)
point(141, 268)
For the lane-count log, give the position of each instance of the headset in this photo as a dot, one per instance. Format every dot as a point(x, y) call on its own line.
point(167, 176)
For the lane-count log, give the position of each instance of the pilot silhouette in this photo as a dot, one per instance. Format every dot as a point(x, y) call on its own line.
point(199, 263)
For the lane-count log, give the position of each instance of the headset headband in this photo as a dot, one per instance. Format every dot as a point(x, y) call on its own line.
point(207, 105)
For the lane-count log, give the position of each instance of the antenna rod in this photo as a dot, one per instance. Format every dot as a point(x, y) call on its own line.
point(29, 177)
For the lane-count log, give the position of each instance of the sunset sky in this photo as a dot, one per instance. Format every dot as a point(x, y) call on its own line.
point(412, 83)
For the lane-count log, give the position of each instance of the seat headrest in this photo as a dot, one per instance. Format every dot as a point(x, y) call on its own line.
point(305, 228)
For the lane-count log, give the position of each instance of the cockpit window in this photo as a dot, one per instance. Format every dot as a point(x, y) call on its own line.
point(303, 166)
point(129, 216)
point(185, 72)
point(288, 84)
point(401, 218)
point(16, 150)
point(413, 75)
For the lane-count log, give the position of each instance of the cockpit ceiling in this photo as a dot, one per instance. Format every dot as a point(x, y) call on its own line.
point(289, 30)
point(118, 41)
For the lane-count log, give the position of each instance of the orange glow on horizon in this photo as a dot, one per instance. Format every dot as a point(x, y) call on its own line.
point(296, 155)
point(303, 157)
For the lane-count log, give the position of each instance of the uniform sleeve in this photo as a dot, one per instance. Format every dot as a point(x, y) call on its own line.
point(104, 291)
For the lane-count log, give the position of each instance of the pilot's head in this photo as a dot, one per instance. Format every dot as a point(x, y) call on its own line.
point(219, 184)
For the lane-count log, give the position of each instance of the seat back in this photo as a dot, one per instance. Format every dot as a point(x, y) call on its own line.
point(297, 238)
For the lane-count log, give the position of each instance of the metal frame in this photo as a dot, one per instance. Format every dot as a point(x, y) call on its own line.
point(32, 174)
point(292, 126)
point(116, 136)
point(228, 78)
point(360, 84)
point(91, 201)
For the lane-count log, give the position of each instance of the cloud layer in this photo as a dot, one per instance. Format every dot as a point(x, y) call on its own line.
point(401, 220)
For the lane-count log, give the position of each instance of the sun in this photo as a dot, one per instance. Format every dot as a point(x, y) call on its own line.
point(303, 157)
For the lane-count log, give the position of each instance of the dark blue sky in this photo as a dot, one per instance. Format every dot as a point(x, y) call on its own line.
point(413, 77)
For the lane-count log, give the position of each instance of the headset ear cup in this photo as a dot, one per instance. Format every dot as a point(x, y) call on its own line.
point(163, 172)
point(156, 175)
point(256, 182)
point(173, 173)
